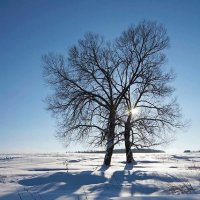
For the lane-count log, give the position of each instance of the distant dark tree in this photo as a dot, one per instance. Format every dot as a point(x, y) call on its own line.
point(100, 85)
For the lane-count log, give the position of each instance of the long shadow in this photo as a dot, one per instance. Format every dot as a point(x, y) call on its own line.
point(148, 161)
point(47, 169)
point(59, 184)
point(122, 180)
point(129, 166)
point(126, 181)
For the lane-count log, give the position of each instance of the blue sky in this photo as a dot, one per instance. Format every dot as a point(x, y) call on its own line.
point(29, 29)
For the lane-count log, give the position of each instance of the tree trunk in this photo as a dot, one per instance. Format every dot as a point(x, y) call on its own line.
point(109, 152)
point(129, 154)
point(110, 138)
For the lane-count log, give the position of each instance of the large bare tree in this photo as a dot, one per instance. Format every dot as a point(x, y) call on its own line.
point(84, 92)
point(100, 85)
point(145, 87)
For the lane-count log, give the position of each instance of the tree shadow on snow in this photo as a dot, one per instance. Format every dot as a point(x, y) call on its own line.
point(59, 184)
point(126, 181)
point(62, 184)
point(148, 161)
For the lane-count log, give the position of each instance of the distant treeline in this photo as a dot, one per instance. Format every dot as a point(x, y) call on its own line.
point(123, 151)
point(189, 151)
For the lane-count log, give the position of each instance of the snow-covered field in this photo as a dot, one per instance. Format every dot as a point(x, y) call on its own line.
point(82, 176)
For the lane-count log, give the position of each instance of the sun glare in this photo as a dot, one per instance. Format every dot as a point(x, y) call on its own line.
point(134, 111)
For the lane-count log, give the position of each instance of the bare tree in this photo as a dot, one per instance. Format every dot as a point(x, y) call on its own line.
point(146, 87)
point(101, 83)
point(84, 92)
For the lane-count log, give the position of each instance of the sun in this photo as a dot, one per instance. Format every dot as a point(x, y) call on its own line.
point(134, 111)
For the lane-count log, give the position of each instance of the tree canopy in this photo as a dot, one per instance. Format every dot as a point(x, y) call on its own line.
point(113, 91)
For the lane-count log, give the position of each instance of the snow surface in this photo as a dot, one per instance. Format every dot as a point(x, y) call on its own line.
point(82, 176)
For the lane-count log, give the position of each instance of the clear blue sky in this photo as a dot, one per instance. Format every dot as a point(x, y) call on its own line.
point(29, 29)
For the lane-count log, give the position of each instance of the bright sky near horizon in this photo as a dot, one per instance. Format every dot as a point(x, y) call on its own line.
point(29, 29)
